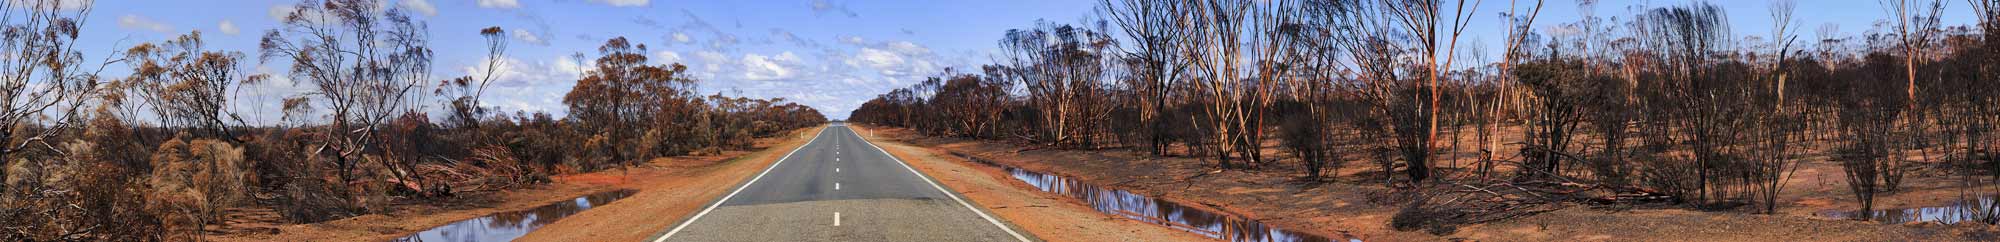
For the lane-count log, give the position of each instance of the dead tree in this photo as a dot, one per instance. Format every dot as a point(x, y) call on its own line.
point(464, 93)
point(1866, 119)
point(1061, 67)
point(1560, 87)
point(1236, 51)
point(1777, 129)
point(1691, 96)
point(187, 85)
point(1421, 19)
point(361, 62)
point(46, 80)
point(1154, 27)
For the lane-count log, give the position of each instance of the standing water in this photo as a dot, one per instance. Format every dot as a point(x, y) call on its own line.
point(1976, 210)
point(1156, 211)
point(509, 225)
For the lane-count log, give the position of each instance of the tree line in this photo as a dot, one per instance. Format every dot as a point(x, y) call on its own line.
point(164, 153)
point(1668, 101)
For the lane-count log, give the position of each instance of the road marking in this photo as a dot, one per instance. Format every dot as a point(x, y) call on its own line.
point(836, 170)
point(836, 186)
point(836, 219)
point(725, 198)
point(947, 193)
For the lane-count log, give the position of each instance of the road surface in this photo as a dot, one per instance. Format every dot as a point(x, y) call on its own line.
point(838, 187)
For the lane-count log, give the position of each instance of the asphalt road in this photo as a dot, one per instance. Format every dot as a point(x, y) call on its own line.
point(838, 187)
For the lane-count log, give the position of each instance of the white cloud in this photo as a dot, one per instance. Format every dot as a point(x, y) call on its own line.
point(760, 68)
point(787, 56)
point(681, 37)
point(228, 28)
point(876, 58)
point(896, 59)
point(517, 73)
point(907, 47)
point(525, 85)
point(420, 6)
point(278, 77)
point(707, 64)
point(710, 56)
point(853, 81)
point(499, 4)
point(572, 68)
point(136, 22)
point(529, 37)
point(666, 56)
point(830, 86)
point(625, 3)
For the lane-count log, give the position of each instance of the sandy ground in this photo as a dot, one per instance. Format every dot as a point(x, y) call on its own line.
point(669, 188)
point(1275, 196)
point(1049, 216)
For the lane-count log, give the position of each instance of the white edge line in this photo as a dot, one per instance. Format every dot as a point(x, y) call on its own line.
point(725, 198)
point(947, 193)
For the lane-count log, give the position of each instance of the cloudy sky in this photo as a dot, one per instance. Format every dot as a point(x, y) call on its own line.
point(830, 54)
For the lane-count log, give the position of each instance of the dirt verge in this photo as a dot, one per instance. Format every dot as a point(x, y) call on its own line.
point(1353, 204)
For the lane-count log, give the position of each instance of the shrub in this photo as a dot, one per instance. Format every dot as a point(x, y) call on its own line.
point(193, 182)
point(1677, 177)
point(86, 195)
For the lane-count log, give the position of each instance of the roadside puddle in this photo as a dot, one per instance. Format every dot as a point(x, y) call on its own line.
point(1157, 211)
point(507, 226)
point(1977, 210)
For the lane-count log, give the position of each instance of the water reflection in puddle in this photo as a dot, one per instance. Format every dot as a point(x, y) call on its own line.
point(1162, 212)
point(506, 226)
point(1976, 210)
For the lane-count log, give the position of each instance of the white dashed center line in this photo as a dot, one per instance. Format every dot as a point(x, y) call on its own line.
point(836, 186)
point(836, 219)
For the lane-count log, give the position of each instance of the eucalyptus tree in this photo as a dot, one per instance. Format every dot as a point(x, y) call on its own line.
point(361, 61)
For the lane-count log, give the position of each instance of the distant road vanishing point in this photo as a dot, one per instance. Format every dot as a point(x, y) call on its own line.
point(839, 187)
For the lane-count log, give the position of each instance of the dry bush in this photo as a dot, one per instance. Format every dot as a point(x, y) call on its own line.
point(73, 200)
point(1675, 177)
point(315, 200)
point(111, 203)
point(504, 170)
point(597, 149)
point(540, 140)
point(489, 168)
point(81, 191)
point(174, 195)
point(407, 142)
point(193, 182)
point(227, 177)
point(303, 187)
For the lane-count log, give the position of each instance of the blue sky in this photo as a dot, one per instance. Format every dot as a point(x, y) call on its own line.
point(830, 54)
